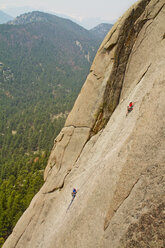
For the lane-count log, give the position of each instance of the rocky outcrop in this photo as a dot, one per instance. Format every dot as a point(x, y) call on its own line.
point(116, 162)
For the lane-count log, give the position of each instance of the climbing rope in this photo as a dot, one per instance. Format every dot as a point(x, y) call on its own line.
point(70, 204)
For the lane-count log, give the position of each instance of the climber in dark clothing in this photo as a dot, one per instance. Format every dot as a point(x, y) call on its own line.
point(74, 192)
point(130, 108)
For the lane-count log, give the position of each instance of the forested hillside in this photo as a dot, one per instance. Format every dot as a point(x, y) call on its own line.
point(44, 61)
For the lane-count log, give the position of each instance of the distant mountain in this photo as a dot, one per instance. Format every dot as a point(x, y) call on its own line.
point(101, 30)
point(90, 23)
point(87, 23)
point(44, 61)
point(4, 17)
point(42, 56)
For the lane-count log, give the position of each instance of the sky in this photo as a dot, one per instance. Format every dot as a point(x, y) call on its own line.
point(105, 9)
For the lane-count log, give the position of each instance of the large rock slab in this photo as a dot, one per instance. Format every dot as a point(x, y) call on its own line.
point(116, 162)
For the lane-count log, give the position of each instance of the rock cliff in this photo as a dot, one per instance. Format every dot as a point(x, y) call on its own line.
point(117, 163)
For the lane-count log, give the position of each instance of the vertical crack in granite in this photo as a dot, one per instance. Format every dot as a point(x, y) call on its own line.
point(23, 232)
point(144, 74)
point(114, 210)
point(159, 11)
point(31, 219)
point(127, 37)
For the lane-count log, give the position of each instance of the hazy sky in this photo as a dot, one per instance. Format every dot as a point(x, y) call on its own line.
point(105, 9)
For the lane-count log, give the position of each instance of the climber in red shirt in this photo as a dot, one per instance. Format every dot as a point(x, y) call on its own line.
point(130, 108)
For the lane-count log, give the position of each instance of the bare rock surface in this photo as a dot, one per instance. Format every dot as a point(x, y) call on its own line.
point(117, 163)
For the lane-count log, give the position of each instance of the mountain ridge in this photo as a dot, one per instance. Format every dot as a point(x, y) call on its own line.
point(37, 16)
point(87, 23)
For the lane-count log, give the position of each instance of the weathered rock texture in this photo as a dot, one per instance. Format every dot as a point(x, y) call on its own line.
point(116, 162)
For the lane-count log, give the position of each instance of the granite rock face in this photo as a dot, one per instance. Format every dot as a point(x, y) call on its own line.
point(117, 163)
